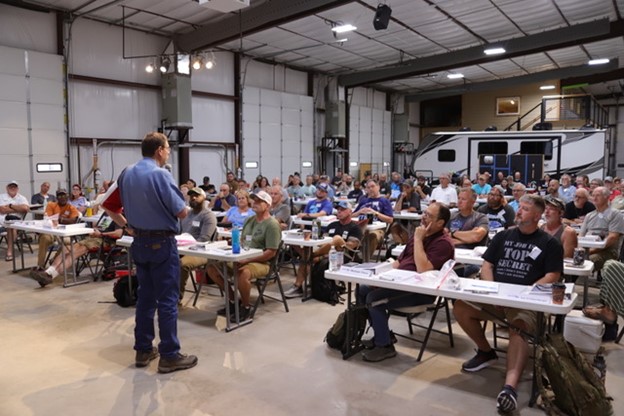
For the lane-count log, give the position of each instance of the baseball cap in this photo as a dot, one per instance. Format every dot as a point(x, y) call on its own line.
point(13, 183)
point(606, 179)
point(344, 205)
point(408, 183)
point(555, 202)
point(262, 196)
point(322, 186)
point(198, 191)
point(61, 191)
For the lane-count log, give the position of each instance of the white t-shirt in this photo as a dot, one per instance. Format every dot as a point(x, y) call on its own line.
point(5, 199)
point(446, 196)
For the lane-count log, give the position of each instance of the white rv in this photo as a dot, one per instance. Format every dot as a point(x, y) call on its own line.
point(533, 153)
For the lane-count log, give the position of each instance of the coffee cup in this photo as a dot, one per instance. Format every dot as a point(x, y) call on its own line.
point(579, 257)
point(307, 234)
point(558, 293)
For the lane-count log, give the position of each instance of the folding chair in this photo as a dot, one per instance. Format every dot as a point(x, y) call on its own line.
point(273, 276)
point(411, 312)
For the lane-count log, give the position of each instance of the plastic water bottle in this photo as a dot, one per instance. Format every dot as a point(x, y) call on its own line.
point(236, 240)
point(600, 367)
point(315, 230)
point(340, 257)
point(45, 203)
point(333, 260)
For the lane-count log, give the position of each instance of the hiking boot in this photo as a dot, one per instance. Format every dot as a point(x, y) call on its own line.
point(369, 343)
point(294, 292)
point(221, 312)
point(143, 358)
point(42, 277)
point(507, 399)
point(243, 312)
point(177, 362)
point(379, 353)
point(480, 361)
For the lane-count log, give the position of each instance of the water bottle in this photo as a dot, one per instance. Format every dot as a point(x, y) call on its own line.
point(340, 257)
point(235, 240)
point(45, 204)
point(315, 230)
point(333, 260)
point(600, 367)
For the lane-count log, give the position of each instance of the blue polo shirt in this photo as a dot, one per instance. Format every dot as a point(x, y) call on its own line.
point(315, 206)
point(150, 197)
point(377, 204)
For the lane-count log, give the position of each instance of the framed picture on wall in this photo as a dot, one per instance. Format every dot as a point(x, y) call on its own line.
point(508, 106)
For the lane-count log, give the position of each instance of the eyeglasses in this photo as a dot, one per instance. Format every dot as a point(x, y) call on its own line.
point(579, 197)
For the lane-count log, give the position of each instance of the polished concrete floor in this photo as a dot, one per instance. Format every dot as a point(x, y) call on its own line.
point(68, 351)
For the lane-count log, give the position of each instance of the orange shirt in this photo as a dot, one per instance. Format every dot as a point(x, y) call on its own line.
point(68, 211)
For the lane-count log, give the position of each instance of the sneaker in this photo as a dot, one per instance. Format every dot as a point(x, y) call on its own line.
point(294, 292)
point(143, 358)
point(379, 353)
point(178, 362)
point(243, 312)
point(42, 277)
point(507, 399)
point(369, 343)
point(221, 311)
point(480, 361)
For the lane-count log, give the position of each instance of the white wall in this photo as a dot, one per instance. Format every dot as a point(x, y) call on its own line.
point(23, 29)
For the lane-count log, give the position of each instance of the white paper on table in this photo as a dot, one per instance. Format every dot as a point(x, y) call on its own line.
point(185, 239)
point(396, 275)
point(481, 286)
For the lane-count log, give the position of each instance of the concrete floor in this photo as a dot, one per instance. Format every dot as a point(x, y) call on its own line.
point(68, 351)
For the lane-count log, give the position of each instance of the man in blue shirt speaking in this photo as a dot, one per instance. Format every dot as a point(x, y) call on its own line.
point(152, 204)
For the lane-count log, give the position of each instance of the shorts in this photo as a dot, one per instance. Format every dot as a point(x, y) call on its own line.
point(256, 269)
point(91, 243)
point(510, 315)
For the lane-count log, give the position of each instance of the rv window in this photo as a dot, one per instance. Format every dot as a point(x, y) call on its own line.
point(537, 148)
point(447, 155)
point(494, 148)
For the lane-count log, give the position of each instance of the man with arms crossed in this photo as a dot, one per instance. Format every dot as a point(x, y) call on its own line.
point(151, 216)
point(523, 255)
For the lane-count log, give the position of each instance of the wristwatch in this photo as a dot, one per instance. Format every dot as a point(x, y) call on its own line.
point(10, 206)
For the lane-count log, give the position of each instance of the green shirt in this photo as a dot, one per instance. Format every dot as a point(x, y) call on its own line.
point(265, 235)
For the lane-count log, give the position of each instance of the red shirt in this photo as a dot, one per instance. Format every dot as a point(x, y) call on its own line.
point(438, 248)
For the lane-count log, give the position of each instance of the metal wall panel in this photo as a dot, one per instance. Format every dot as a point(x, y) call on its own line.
point(213, 120)
point(24, 29)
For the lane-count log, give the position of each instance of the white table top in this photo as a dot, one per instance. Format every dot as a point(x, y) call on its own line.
point(406, 215)
point(325, 220)
point(60, 231)
point(508, 295)
point(297, 240)
point(591, 243)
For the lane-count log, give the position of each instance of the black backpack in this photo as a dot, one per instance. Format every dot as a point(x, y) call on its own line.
point(339, 338)
point(325, 290)
point(123, 293)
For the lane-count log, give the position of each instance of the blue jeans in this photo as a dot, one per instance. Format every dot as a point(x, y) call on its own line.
point(158, 272)
point(379, 314)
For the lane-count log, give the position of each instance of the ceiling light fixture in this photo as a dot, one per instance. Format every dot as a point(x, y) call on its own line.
point(149, 68)
point(210, 62)
point(341, 40)
point(198, 62)
point(599, 61)
point(547, 87)
point(455, 76)
point(494, 51)
point(165, 63)
point(344, 28)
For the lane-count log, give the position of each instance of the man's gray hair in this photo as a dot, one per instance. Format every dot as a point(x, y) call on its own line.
point(519, 185)
point(603, 190)
point(472, 192)
point(535, 200)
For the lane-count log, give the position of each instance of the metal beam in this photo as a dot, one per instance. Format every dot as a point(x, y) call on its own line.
point(540, 42)
point(251, 20)
point(594, 78)
point(572, 71)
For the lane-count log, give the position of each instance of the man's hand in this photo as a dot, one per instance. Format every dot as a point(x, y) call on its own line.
point(421, 232)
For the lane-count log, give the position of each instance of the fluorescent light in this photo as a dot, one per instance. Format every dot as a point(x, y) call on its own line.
point(353, 164)
point(386, 164)
point(494, 51)
point(344, 28)
point(599, 61)
point(341, 40)
point(455, 76)
point(547, 87)
point(251, 165)
point(306, 164)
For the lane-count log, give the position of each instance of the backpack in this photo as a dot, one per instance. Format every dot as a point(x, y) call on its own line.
point(124, 295)
point(337, 336)
point(567, 382)
point(325, 290)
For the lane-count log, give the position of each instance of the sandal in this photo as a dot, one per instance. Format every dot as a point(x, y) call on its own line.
point(600, 314)
point(8, 258)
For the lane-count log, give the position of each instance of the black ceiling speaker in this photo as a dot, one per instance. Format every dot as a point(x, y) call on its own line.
point(382, 17)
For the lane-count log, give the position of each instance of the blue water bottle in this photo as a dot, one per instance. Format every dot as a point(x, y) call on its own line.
point(235, 240)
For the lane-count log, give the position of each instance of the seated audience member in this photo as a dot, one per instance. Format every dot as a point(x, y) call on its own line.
point(243, 185)
point(278, 182)
point(279, 210)
point(395, 185)
point(422, 188)
point(522, 255)
point(261, 184)
point(239, 213)
point(445, 193)
point(100, 196)
point(295, 191)
point(78, 200)
point(507, 191)
point(517, 177)
point(555, 227)
point(357, 192)
point(611, 294)
point(553, 188)
point(344, 232)
point(384, 186)
point(211, 190)
point(518, 191)
point(319, 207)
point(205, 183)
point(67, 214)
point(614, 192)
point(499, 214)
point(309, 190)
point(409, 201)
point(582, 181)
point(184, 189)
point(428, 248)
point(595, 183)
point(191, 183)
point(43, 195)
point(224, 200)
point(345, 186)
point(13, 205)
point(231, 180)
point(576, 210)
point(468, 228)
point(566, 189)
point(105, 233)
point(266, 235)
point(606, 223)
point(377, 206)
point(482, 187)
point(201, 223)
point(466, 183)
